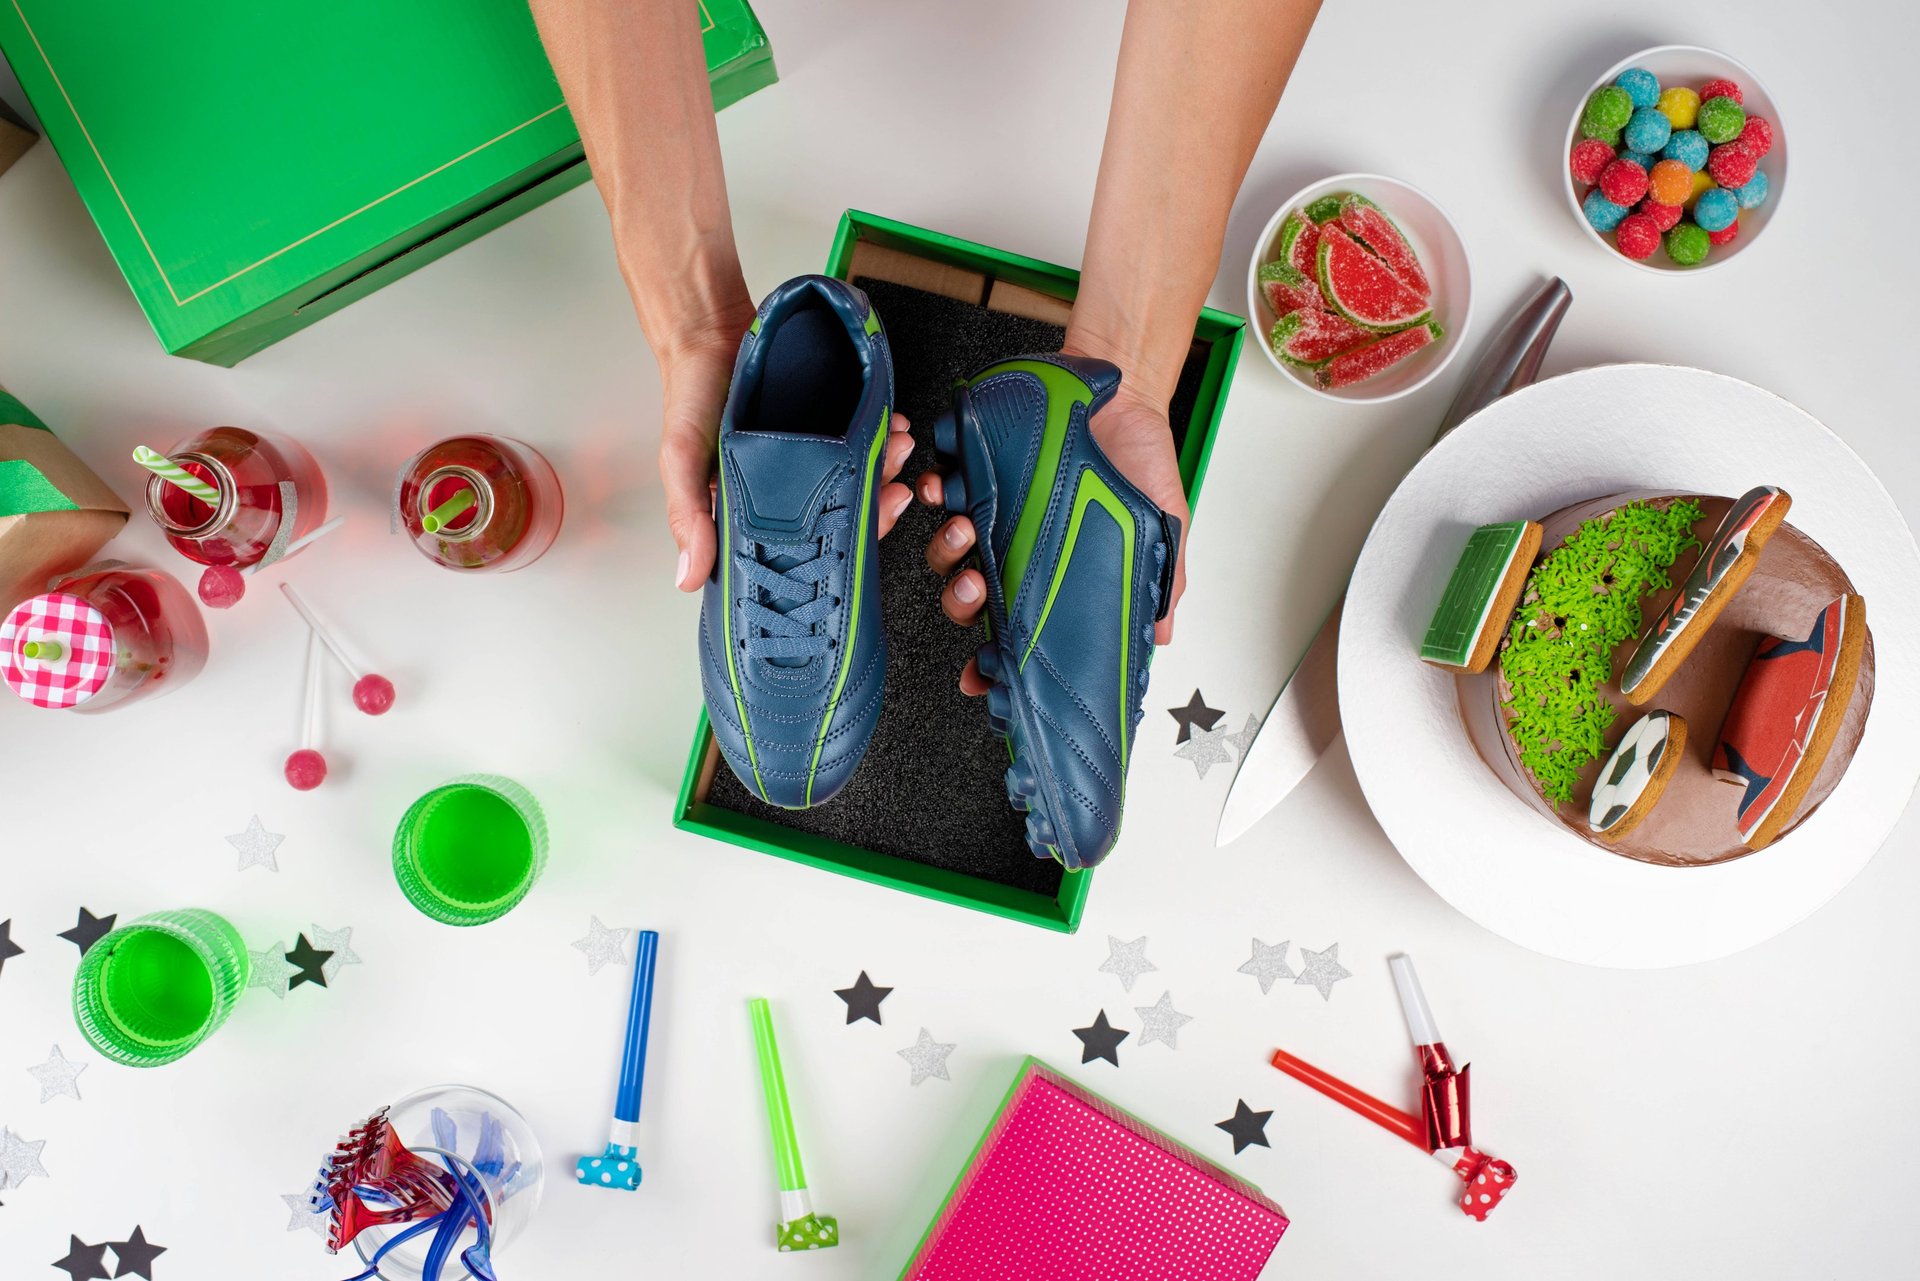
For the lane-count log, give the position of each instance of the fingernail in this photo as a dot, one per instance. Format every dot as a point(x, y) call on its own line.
point(965, 589)
point(680, 573)
point(955, 535)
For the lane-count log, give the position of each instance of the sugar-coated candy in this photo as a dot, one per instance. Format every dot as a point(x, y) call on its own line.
point(1623, 182)
point(1670, 183)
point(1638, 236)
point(1702, 181)
point(1645, 159)
point(1725, 235)
point(1687, 244)
point(1716, 208)
point(221, 587)
point(1641, 85)
point(1590, 156)
point(1722, 89)
point(1647, 129)
point(1664, 216)
point(1754, 193)
point(1602, 214)
point(373, 694)
point(1721, 119)
point(1681, 105)
point(1607, 113)
point(1732, 165)
point(1689, 147)
point(306, 769)
point(1757, 135)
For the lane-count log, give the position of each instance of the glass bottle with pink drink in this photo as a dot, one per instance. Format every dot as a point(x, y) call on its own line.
point(234, 497)
point(480, 503)
point(102, 638)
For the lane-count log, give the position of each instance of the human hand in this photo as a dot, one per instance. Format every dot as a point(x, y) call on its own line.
point(1137, 437)
point(695, 374)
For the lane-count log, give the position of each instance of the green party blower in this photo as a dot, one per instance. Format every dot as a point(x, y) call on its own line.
point(799, 1227)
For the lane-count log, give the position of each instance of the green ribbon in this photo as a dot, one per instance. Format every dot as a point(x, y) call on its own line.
point(23, 489)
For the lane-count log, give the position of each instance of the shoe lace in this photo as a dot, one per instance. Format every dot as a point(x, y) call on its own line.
point(788, 601)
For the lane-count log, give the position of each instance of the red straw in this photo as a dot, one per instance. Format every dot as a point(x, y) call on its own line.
point(1404, 1124)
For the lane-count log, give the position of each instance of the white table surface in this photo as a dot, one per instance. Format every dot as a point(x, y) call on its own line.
point(1751, 1117)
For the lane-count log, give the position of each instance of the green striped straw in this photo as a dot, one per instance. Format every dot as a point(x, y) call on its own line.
point(176, 475)
point(149, 992)
point(436, 520)
point(799, 1227)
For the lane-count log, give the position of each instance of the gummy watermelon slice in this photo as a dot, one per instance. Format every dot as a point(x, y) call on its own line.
point(1376, 355)
point(1325, 209)
point(1376, 231)
point(1299, 237)
point(1287, 290)
point(1360, 287)
point(1311, 337)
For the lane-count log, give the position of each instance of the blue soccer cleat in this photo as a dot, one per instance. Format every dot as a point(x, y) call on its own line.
point(792, 652)
point(1079, 567)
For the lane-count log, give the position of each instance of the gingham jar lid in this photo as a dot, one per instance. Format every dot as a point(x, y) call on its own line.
point(85, 639)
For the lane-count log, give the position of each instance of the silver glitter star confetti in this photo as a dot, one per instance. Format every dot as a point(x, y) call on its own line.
point(272, 970)
point(304, 1215)
point(1127, 960)
point(1268, 964)
point(1161, 1022)
point(1244, 739)
point(1322, 970)
point(19, 1160)
point(337, 942)
point(927, 1057)
point(256, 846)
point(602, 946)
point(1204, 750)
point(56, 1076)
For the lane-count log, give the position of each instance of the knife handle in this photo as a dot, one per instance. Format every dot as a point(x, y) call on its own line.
point(1513, 360)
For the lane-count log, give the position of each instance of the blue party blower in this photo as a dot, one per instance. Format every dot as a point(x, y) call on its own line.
point(619, 1165)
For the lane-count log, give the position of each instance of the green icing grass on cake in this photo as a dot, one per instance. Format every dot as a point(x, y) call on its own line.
point(1581, 601)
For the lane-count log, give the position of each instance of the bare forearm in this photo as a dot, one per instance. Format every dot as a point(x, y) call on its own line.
point(1196, 84)
point(635, 78)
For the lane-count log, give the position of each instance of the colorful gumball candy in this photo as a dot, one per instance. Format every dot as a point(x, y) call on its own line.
point(1623, 183)
point(1702, 181)
point(1757, 135)
point(1722, 89)
point(1716, 209)
point(1679, 105)
point(1664, 216)
point(1687, 244)
point(1590, 156)
point(1725, 235)
point(1602, 214)
point(1670, 183)
point(1689, 147)
point(1606, 114)
point(1732, 164)
point(1647, 129)
point(1642, 86)
point(1754, 193)
point(1638, 236)
point(1645, 159)
point(1721, 119)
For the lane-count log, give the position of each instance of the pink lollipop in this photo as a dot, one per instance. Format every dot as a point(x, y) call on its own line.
point(372, 692)
point(306, 769)
point(222, 586)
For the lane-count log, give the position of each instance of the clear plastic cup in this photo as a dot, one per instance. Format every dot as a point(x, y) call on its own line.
point(468, 851)
point(149, 992)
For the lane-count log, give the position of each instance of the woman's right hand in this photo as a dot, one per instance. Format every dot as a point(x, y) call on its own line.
point(695, 370)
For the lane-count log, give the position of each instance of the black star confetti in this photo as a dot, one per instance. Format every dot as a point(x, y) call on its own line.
point(8, 948)
point(1246, 1126)
point(1195, 715)
point(1101, 1040)
point(310, 962)
point(89, 929)
point(83, 1261)
point(135, 1254)
point(863, 998)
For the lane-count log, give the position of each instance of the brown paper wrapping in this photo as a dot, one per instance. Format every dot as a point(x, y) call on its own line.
point(38, 545)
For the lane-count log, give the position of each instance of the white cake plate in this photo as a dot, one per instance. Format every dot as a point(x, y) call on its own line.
point(1594, 432)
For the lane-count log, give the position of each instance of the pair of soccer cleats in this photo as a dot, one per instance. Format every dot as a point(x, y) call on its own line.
point(1078, 565)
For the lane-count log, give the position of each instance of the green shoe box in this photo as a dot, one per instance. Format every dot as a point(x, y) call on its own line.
point(257, 166)
point(871, 248)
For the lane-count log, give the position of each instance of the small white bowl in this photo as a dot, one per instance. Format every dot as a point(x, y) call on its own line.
point(1689, 66)
point(1442, 253)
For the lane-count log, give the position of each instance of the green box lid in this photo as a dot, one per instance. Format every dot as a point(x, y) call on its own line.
point(255, 166)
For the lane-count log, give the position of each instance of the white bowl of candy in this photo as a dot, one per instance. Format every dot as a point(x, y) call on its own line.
point(1675, 159)
point(1359, 288)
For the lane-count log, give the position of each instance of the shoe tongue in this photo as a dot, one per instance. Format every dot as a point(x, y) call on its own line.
point(783, 480)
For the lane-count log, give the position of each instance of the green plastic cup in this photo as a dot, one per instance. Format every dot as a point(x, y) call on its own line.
point(148, 992)
point(469, 850)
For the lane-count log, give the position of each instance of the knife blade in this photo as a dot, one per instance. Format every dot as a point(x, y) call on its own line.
point(1305, 716)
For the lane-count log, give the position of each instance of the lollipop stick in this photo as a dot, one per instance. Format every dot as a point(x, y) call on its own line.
point(436, 520)
point(176, 475)
point(302, 541)
point(326, 637)
point(310, 720)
